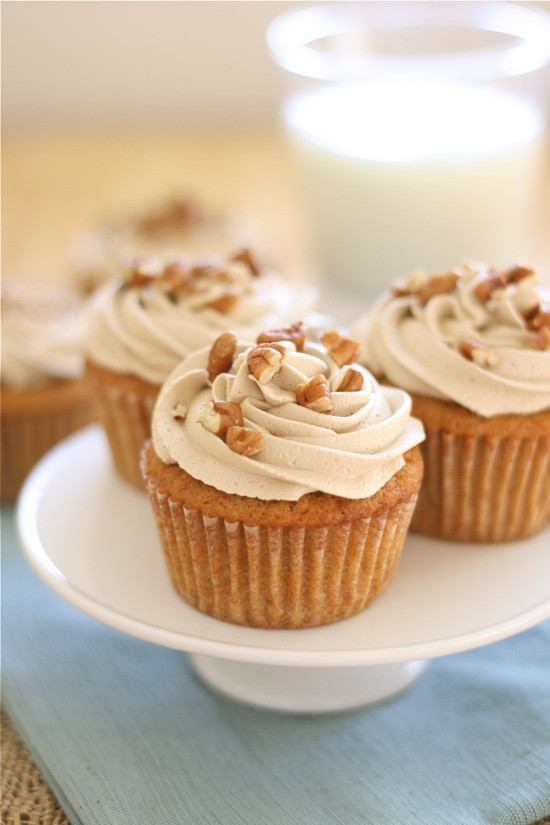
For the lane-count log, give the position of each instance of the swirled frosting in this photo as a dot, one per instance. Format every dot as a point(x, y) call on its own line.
point(43, 334)
point(164, 310)
point(476, 336)
point(352, 450)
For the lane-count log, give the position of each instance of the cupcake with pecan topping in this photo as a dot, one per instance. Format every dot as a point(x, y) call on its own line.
point(44, 395)
point(156, 313)
point(282, 477)
point(472, 347)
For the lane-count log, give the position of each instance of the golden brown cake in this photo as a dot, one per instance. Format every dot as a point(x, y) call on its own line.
point(124, 406)
point(471, 346)
point(33, 421)
point(486, 479)
point(159, 310)
point(282, 479)
point(43, 395)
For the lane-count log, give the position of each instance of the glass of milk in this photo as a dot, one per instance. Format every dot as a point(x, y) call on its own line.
point(419, 131)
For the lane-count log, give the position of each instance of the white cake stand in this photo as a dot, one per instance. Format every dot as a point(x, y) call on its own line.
point(92, 539)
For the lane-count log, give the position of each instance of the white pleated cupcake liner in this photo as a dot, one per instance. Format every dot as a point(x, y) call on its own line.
point(278, 577)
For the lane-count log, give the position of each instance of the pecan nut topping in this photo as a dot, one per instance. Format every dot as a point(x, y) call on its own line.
point(477, 352)
point(225, 303)
point(424, 287)
point(542, 339)
point(410, 284)
point(493, 281)
point(296, 333)
point(247, 256)
point(221, 354)
point(138, 271)
point(538, 316)
point(218, 416)
point(243, 440)
point(342, 349)
point(437, 285)
point(347, 379)
point(315, 394)
point(264, 362)
point(518, 273)
point(180, 212)
point(179, 411)
point(176, 277)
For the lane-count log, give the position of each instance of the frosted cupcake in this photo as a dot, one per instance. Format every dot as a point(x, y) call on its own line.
point(163, 309)
point(183, 222)
point(44, 396)
point(472, 347)
point(282, 477)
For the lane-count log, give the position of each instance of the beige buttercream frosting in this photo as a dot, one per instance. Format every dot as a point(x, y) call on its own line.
point(43, 334)
point(476, 336)
point(351, 450)
point(167, 308)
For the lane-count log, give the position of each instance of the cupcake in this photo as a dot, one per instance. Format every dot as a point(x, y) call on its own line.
point(472, 347)
point(144, 324)
point(183, 222)
point(282, 477)
point(44, 396)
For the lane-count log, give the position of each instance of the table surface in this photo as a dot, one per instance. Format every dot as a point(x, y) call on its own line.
point(55, 185)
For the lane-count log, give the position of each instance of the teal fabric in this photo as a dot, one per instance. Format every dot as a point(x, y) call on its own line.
point(126, 735)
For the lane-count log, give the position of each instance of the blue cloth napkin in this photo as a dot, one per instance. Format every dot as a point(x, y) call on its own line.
point(126, 735)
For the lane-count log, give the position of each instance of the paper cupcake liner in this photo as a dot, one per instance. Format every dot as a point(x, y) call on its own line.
point(124, 409)
point(34, 423)
point(278, 577)
point(482, 488)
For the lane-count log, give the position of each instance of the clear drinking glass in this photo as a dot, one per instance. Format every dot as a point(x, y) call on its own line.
point(419, 131)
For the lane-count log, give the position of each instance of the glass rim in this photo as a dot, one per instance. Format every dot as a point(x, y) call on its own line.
point(291, 39)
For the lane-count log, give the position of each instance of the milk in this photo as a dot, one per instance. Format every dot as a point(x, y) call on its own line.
point(399, 176)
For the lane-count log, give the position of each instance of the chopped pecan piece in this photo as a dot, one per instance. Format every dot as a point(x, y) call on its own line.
point(517, 273)
point(410, 284)
point(176, 277)
point(243, 440)
point(224, 303)
point(280, 347)
point(137, 271)
point(538, 316)
point(493, 281)
point(179, 212)
point(296, 333)
point(208, 266)
point(179, 411)
point(347, 379)
point(436, 285)
point(342, 349)
point(542, 339)
point(247, 256)
point(221, 354)
point(264, 362)
point(477, 352)
point(315, 394)
point(218, 416)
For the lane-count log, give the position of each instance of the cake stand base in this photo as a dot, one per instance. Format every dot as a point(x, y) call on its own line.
point(293, 689)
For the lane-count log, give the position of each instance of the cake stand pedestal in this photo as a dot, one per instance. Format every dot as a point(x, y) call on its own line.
point(305, 689)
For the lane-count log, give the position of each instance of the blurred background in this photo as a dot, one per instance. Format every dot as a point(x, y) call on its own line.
point(106, 105)
point(147, 63)
point(109, 107)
